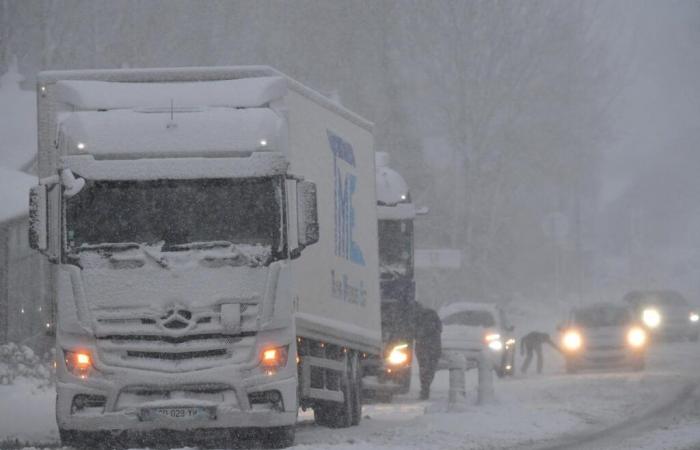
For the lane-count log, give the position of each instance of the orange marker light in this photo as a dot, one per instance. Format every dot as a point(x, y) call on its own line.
point(83, 359)
point(273, 358)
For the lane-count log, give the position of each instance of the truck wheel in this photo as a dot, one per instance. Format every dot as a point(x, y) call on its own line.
point(278, 437)
point(356, 391)
point(405, 382)
point(80, 440)
point(337, 415)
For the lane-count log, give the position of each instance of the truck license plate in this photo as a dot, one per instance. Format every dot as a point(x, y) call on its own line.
point(180, 413)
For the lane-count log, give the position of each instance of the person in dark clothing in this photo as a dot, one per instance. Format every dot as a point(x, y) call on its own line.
point(428, 347)
point(532, 343)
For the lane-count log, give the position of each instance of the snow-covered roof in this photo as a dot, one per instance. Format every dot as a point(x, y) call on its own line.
point(257, 164)
point(187, 74)
point(14, 193)
point(195, 132)
point(17, 120)
point(104, 95)
point(393, 198)
point(456, 307)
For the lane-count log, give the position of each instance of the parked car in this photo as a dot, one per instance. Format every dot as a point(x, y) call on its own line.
point(603, 335)
point(665, 314)
point(470, 328)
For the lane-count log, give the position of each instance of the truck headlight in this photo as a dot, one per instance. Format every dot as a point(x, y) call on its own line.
point(79, 363)
point(693, 317)
point(572, 340)
point(273, 358)
point(636, 337)
point(398, 355)
point(494, 341)
point(651, 317)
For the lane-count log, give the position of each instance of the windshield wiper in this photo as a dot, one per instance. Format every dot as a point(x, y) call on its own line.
point(114, 246)
point(204, 245)
point(160, 260)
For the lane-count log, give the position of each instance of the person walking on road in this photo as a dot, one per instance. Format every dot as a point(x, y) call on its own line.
point(428, 347)
point(532, 343)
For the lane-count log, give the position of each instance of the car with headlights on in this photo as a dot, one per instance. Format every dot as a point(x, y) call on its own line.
point(470, 328)
point(603, 335)
point(665, 314)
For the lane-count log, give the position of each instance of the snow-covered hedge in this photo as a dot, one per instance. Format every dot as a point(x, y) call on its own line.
point(21, 361)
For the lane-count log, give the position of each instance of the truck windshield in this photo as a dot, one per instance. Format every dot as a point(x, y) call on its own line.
point(395, 248)
point(176, 212)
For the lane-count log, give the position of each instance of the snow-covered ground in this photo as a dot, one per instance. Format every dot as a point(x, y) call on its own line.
point(531, 411)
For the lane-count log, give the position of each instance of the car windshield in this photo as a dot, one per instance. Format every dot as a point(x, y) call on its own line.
point(470, 319)
point(602, 317)
point(395, 248)
point(175, 212)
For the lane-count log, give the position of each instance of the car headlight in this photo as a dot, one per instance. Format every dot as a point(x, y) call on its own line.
point(398, 355)
point(493, 340)
point(572, 340)
point(651, 317)
point(636, 337)
point(693, 317)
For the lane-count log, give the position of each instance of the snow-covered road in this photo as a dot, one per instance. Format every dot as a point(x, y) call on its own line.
point(653, 409)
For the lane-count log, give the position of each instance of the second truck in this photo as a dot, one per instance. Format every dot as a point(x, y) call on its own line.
point(214, 248)
point(390, 373)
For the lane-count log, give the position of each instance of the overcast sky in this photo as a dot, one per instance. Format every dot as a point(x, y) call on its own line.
point(658, 109)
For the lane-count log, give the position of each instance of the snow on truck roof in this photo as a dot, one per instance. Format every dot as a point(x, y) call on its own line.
point(190, 74)
point(392, 192)
point(106, 95)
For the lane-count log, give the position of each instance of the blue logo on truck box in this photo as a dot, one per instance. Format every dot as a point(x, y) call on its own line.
point(345, 187)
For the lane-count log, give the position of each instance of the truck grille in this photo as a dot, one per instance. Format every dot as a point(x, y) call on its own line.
point(144, 340)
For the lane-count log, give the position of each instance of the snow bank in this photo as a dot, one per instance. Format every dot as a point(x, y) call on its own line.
point(14, 193)
point(27, 412)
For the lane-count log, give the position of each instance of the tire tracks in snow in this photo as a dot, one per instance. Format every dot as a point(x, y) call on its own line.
point(606, 437)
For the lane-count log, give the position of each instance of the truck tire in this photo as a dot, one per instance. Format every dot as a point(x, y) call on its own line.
point(278, 437)
point(80, 440)
point(334, 414)
point(356, 391)
point(405, 382)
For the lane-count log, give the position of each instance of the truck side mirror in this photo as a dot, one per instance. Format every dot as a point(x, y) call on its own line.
point(38, 221)
point(307, 213)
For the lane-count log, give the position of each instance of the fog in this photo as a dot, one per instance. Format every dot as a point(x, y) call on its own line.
point(498, 115)
point(554, 143)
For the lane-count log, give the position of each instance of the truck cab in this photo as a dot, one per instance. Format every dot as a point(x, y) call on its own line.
point(395, 213)
point(173, 206)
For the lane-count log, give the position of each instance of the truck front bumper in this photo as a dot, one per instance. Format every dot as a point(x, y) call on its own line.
point(224, 400)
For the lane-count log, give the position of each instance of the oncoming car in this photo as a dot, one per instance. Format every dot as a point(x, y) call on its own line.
point(469, 328)
point(665, 314)
point(603, 335)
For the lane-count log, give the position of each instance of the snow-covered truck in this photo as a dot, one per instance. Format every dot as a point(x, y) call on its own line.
point(391, 373)
point(213, 234)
